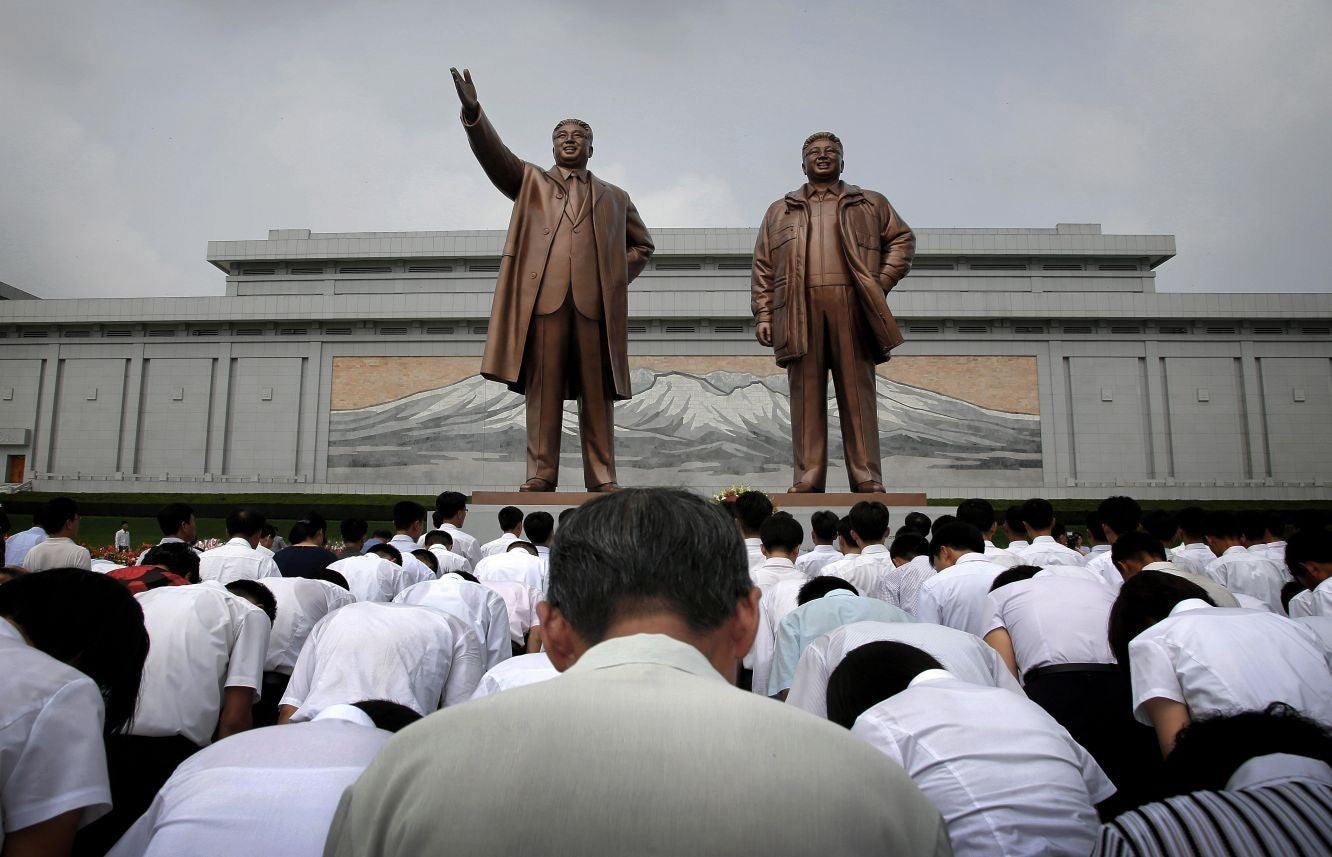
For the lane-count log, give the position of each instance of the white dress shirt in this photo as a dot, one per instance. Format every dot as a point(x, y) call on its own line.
point(956, 596)
point(1300, 605)
point(863, 570)
point(301, 603)
point(57, 552)
point(202, 639)
point(479, 607)
point(901, 586)
point(774, 569)
point(421, 658)
point(754, 549)
point(1054, 620)
point(812, 620)
point(1006, 776)
point(464, 544)
point(1099, 561)
point(18, 545)
point(498, 546)
point(265, 791)
point(1044, 550)
point(1321, 627)
point(517, 565)
point(1222, 661)
point(449, 561)
point(1192, 557)
point(1243, 571)
point(122, 540)
point(964, 655)
point(1320, 599)
point(816, 558)
point(172, 540)
point(521, 601)
point(51, 756)
point(264, 549)
point(236, 560)
point(1017, 546)
point(777, 602)
point(516, 672)
point(413, 570)
point(371, 577)
point(999, 556)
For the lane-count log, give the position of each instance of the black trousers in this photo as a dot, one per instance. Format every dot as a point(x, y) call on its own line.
point(138, 767)
point(1097, 710)
point(265, 712)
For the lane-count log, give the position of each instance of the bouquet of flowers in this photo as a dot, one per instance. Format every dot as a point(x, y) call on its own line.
point(119, 557)
point(730, 495)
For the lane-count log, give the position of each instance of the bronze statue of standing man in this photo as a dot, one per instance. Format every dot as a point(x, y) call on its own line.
point(559, 320)
point(826, 257)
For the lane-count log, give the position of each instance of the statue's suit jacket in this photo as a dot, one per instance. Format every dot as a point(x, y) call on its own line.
point(623, 247)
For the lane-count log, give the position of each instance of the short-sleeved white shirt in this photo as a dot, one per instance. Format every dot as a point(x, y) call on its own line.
point(965, 655)
point(754, 550)
point(266, 791)
point(421, 658)
point(774, 569)
point(1313, 602)
point(1044, 550)
point(1193, 557)
point(476, 605)
point(1007, 778)
point(57, 552)
point(202, 639)
point(521, 601)
point(301, 602)
point(1224, 660)
point(1251, 573)
point(464, 543)
point(236, 560)
point(52, 760)
point(816, 558)
point(516, 565)
point(450, 561)
point(956, 596)
point(516, 672)
point(371, 577)
point(1101, 563)
point(862, 570)
point(1054, 620)
point(18, 545)
point(777, 601)
point(1322, 628)
point(999, 556)
point(413, 570)
point(815, 618)
point(498, 546)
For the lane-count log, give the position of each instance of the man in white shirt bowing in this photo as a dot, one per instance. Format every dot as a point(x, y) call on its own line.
point(869, 526)
point(1309, 556)
point(176, 521)
point(651, 608)
point(409, 526)
point(1237, 568)
point(518, 563)
point(375, 575)
point(1119, 516)
point(910, 554)
point(238, 559)
point(1038, 517)
point(415, 656)
point(440, 543)
point(955, 596)
point(780, 538)
point(1007, 778)
point(1192, 555)
point(511, 529)
point(1137, 552)
point(1015, 530)
point(476, 605)
point(518, 671)
point(301, 603)
point(450, 515)
point(268, 791)
point(823, 533)
point(980, 514)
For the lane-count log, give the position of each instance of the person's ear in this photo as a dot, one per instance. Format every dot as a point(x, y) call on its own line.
point(562, 643)
point(743, 624)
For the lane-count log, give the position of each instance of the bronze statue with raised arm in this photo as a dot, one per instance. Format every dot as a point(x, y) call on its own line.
point(558, 323)
point(826, 257)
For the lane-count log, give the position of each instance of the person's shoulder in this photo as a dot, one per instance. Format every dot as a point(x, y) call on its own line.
point(33, 678)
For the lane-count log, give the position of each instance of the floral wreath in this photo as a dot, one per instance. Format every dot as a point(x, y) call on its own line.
point(728, 496)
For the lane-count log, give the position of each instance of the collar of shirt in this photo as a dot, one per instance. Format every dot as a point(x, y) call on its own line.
point(345, 712)
point(1043, 540)
point(840, 593)
point(1018, 544)
point(753, 543)
point(1100, 548)
point(970, 557)
point(542, 550)
point(237, 542)
point(59, 540)
point(870, 550)
point(403, 539)
point(823, 549)
point(1276, 768)
point(1161, 566)
point(778, 562)
point(1230, 551)
point(34, 531)
point(647, 649)
point(814, 195)
point(1197, 546)
point(1189, 604)
point(931, 675)
point(581, 175)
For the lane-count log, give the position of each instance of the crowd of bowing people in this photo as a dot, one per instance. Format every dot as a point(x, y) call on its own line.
point(658, 672)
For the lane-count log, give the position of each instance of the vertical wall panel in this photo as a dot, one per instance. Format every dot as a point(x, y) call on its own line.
point(1297, 395)
point(1109, 416)
point(1206, 418)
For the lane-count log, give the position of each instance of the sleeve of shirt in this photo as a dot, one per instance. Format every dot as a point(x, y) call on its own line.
point(135, 841)
point(927, 606)
point(785, 656)
point(302, 675)
point(465, 669)
point(883, 736)
point(995, 620)
point(1152, 675)
point(268, 568)
point(61, 762)
point(246, 667)
point(498, 647)
point(529, 615)
point(809, 687)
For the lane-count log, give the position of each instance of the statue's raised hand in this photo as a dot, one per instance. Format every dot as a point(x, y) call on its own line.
point(466, 94)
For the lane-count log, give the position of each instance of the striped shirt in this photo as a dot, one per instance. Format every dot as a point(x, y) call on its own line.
point(1287, 812)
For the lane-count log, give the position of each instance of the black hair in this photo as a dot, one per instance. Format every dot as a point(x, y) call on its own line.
point(386, 715)
point(177, 558)
point(1014, 574)
point(908, 546)
point(869, 520)
point(1253, 523)
point(1092, 522)
point(958, 536)
point(1307, 546)
point(509, 517)
point(465, 575)
point(438, 537)
point(1220, 524)
point(89, 621)
point(55, 513)
point(751, 509)
point(257, 593)
point(1274, 522)
point(11, 572)
point(539, 526)
point(1208, 751)
point(300, 531)
point(1121, 514)
point(244, 523)
point(1192, 522)
point(383, 535)
point(406, 513)
point(782, 532)
point(4, 522)
point(870, 674)
point(172, 517)
point(1289, 590)
point(1135, 544)
point(918, 521)
point(1145, 599)
point(1013, 518)
point(844, 529)
point(977, 512)
point(1038, 513)
point(1160, 524)
point(450, 503)
point(426, 558)
point(521, 545)
point(824, 524)
point(268, 531)
point(353, 529)
point(941, 522)
point(565, 514)
point(331, 575)
point(817, 587)
point(387, 551)
point(647, 550)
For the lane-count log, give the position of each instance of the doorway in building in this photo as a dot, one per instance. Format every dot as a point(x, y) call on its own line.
point(15, 466)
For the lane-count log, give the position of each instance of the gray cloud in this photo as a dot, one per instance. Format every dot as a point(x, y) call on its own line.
point(137, 132)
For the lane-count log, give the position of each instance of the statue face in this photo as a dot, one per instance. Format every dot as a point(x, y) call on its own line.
point(823, 160)
point(571, 146)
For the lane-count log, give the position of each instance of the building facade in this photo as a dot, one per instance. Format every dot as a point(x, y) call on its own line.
point(1037, 361)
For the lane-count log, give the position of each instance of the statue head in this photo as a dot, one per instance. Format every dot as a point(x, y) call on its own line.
point(821, 157)
point(571, 143)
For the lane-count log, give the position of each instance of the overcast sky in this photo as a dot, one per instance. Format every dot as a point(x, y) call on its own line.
point(135, 132)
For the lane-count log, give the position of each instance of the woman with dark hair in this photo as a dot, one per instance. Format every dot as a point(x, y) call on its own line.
point(1188, 658)
point(73, 645)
